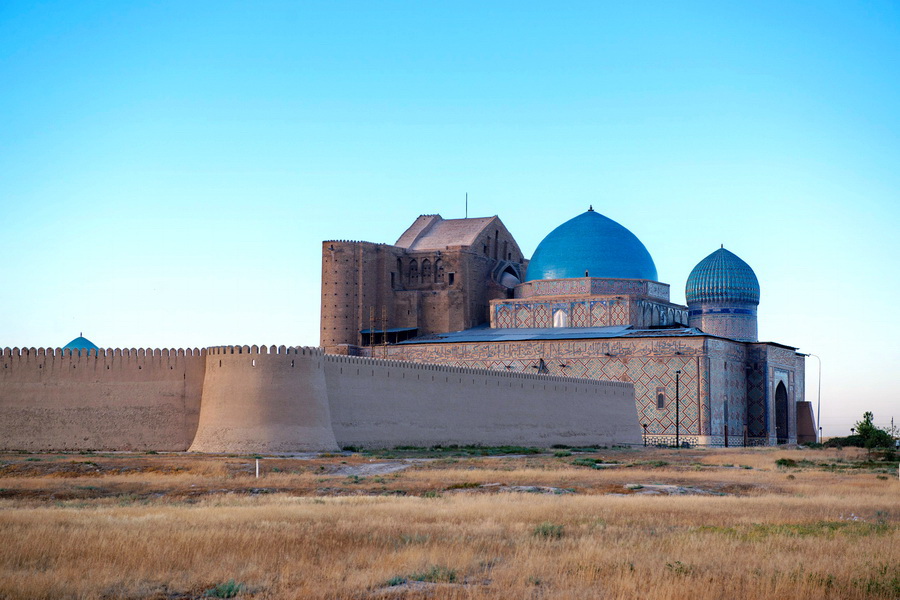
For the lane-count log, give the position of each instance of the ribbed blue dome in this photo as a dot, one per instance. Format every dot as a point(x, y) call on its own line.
point(80, 343)
point(594, 244)
point(722, 277)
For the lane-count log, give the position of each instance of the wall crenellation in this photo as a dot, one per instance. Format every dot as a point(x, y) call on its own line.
point(257, 350)
point(279, 399)
point(150, 353)
point(104, 353)
point(353, 242)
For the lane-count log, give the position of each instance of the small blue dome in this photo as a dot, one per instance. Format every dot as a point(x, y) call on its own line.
point(593, 244)
point(722, 277)
point(80, 343)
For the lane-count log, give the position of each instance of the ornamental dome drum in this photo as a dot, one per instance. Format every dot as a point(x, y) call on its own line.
point(591, 245)
point(722, 294)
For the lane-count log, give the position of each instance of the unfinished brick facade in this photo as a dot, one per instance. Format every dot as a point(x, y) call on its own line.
point(441, 275)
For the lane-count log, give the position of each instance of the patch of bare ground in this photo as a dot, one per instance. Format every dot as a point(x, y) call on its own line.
point(610, 523)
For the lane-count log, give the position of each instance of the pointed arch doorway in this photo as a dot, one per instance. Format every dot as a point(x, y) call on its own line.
point(781, 413)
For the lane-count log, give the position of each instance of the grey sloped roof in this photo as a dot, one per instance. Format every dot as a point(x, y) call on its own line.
point(432, 232)
point(484, 333)
point(487, 334)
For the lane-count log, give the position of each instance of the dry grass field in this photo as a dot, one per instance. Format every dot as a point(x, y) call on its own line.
point(610, 523)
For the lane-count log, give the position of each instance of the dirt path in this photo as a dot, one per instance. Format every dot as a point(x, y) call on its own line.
point(379, 468)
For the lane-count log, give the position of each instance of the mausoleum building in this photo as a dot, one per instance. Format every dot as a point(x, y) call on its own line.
point(588, 305)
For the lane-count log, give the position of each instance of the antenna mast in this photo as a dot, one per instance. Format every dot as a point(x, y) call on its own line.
point(467, 205)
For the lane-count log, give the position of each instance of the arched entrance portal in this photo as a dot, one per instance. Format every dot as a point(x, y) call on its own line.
point(781, 413)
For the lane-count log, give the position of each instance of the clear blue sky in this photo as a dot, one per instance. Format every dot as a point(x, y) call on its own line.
point(169, 169)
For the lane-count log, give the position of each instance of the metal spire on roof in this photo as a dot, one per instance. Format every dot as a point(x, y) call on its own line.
point(591, 208)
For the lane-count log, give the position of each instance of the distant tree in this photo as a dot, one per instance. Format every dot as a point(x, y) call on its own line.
point(866, 435)
point(872, 436)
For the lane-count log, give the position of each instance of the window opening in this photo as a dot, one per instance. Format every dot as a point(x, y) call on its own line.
point(438, 271)
point(560, 318)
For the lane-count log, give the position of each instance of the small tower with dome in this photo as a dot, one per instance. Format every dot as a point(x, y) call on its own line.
point(81, 343)
point(722, 295)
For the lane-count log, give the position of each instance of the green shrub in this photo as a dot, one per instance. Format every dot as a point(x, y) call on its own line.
point(679, 568)
point(650, 463)
point(464, 485)
point(548, 530)
point(229, 589)
point(436, 574)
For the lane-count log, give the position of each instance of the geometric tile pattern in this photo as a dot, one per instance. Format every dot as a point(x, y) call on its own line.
point(560, 287)
point(599, 314)
point(594, 286)
point(505, 316)
point(582, 312)
point(713, 373)
point(523, 316)
point(619, 313)
point(647, 373)
point(543, 316)
point(580, 315)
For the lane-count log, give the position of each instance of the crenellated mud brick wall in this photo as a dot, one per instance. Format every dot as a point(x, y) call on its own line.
point(291, 399)
point(112, 399)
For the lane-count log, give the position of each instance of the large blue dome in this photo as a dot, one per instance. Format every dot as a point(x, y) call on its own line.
point(593, 244)
point(722, 277)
